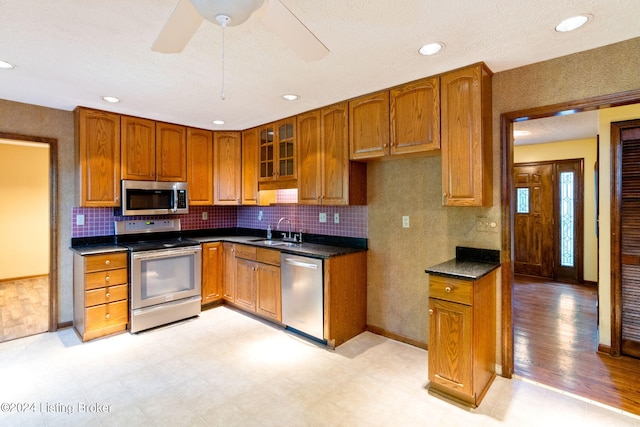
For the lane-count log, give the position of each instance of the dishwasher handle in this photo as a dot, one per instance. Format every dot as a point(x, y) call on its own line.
point(297, 263)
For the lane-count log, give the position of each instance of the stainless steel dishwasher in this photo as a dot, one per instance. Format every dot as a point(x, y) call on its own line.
point(302, 294)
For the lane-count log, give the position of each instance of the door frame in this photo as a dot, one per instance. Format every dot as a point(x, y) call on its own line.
point(53, 214)
point(507, 197)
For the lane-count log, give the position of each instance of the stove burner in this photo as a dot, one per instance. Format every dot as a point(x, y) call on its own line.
point(150, 245)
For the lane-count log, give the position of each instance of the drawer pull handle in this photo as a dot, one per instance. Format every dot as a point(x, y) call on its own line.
point(107, 295)
point(107, 316)
point(107, 262)
point(430, 311)
point(447, 289)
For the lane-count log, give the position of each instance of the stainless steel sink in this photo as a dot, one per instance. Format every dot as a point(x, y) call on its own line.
point(267, 242)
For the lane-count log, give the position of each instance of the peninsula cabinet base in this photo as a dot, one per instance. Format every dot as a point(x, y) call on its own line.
point(453, 396)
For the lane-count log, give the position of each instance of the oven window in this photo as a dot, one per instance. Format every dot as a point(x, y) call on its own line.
point(164, 276)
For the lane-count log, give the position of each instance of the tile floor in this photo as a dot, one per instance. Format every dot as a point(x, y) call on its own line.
point(229, 369)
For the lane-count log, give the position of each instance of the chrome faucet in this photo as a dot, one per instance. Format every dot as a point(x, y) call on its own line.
point(284, 235)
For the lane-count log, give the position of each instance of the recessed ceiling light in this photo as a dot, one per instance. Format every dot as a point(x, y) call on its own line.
point(4, 65)
point(218, 122)
point(290, 97)
point(111, 99)
point(431, 49)
point(573, 23)
point(517, 133)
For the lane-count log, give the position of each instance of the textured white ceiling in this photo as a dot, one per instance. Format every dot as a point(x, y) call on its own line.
point(72, 52)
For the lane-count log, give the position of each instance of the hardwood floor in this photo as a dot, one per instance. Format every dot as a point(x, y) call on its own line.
point(24, 307)
point(555, 343)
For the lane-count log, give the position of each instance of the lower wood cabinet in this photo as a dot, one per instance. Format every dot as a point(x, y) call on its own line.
point(100, 294)
point(212, 269)
point(462, 331)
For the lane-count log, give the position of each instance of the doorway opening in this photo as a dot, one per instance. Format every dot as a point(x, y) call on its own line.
point(28, 281)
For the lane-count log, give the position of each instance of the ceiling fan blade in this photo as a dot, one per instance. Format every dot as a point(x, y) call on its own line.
point(280, 21)
point(180, 27)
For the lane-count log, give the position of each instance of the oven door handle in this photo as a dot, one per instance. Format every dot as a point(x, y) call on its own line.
point(166, 253)
point(174, 208)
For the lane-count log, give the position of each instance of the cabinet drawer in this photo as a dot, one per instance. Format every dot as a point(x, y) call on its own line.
point(106, 315)
point(449, 289)
point(268, 256)
point(100, 279)
point(105, 295)
point(105, 262)
point(246, 252)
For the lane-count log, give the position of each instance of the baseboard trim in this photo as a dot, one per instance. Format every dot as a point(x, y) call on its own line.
point(381, 331)
point(604, 349)
point(64, 325)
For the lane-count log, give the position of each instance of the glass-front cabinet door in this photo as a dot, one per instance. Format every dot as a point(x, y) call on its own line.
point(278, 151)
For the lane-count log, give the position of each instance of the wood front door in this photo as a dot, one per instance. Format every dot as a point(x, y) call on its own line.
point(548, 224)
point(625, 238)
point(533, 224)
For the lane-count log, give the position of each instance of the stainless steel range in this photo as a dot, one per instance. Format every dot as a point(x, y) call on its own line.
point(164, 272)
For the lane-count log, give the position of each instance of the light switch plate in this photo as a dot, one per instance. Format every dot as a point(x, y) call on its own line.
point(405, 222)
point(205, 216)
point(80, 219)
point(336, 218)
point(322, 217)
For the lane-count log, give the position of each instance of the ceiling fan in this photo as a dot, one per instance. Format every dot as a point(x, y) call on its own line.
point(189, 14)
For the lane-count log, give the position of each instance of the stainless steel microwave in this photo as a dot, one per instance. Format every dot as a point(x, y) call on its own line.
point(154, 198)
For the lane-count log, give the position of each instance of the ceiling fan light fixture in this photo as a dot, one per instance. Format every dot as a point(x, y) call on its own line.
point(290, 97)
point(4, 65)
point(237, 11)
point(431, 49)
point(573, 23)
point(111, 99)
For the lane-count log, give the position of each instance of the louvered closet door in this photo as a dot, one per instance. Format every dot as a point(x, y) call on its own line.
point(630, 241)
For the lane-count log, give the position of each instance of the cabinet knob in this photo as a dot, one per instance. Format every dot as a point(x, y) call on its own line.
point(107, 316)
point(107, 295)
point(447, 289)
point(430, 311)
point(106, 279)
point(384, 145)
point(391, 144)
point(107, 262)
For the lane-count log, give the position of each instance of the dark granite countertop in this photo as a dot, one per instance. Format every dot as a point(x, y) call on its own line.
point(97, 249)
point(469, 264)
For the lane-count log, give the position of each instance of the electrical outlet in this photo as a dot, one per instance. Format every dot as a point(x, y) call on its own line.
point(336, 218)
point(322, 217)
point(405, 222)
point(205, 216)
point(80, 219)
point(260, 216)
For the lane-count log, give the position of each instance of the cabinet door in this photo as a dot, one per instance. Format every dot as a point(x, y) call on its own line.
point(286, 149)
point(200, 166)
point(415, 117)
point(250, 167)
point(227, 174)
point(269, 292)
point(138, 149)
point(450, 357)
point(212, 268)
point(98, 147)
point(171, 152)
point(369, 126)
point(310, 159)
point(267, 154)
point(466, 140)
point(334, 134)
point(229, 271)
point(246, 284)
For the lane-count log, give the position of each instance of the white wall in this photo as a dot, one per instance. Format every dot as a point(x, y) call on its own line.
point(24, 211)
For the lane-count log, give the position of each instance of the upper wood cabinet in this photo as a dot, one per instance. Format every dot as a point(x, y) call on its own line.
point(278, 154)
point(227, 175)
point(200, 166)
point(97, 135)
point(369, 126)
point(466, 137)
point(138, 148)
point(326, 175)
point(171, 152)
point(153, 151)
point(415, 117)
point(250, 166)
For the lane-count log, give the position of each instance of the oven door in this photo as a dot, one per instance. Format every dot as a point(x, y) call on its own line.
point(165, 275)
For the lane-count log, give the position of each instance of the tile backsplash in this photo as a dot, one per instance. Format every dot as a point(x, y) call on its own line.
point(352, 220)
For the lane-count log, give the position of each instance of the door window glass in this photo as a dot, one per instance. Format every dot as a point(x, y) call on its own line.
point(567, 219)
